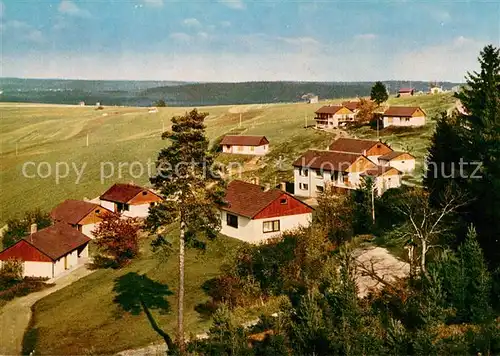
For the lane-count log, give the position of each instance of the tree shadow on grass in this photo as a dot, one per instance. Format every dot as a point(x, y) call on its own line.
point(136, 293)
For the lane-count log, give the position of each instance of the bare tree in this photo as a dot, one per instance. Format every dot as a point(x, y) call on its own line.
point(425, 223)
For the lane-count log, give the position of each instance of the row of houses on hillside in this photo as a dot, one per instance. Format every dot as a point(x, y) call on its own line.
point(346, 163)
point(64, 245)
point(332, 116)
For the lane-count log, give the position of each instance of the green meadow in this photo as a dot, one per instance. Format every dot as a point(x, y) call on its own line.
point(123, 143)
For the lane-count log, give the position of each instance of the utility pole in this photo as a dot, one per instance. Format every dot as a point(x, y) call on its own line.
point(240, 119)
point(16, 148)
point(305, 120)
point(87, 140)
point(162, 126)
point(373, 203)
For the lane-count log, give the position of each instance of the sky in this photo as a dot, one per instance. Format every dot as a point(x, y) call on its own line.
point(246, 40)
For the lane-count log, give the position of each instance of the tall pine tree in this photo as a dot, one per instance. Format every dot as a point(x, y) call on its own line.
point(191, 187)
point(474, 138)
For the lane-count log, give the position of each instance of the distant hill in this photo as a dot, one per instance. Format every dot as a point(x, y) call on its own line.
point(144, 93)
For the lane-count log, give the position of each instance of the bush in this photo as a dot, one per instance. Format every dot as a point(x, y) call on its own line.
point(18, 228)
point(26, 286)
point(11, 273)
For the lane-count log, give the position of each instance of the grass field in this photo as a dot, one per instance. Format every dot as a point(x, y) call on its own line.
point(52, 134)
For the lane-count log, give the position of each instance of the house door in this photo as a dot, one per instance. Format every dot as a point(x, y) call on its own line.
point(65, 262)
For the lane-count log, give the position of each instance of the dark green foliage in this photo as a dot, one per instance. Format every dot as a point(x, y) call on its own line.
point(18, 228)
point(21, 288)
point(160, 103)
point(362, 213)
point(474, 138)
point(379, 93)
point(225, 337)
point(189, 181)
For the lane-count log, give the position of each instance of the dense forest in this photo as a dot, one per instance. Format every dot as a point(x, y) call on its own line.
point(145, 93)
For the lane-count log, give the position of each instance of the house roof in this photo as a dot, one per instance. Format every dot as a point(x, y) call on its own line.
point(326, 160)
point(329, 109)
point(351, 105)
point(401, 111)
point(249, 199)
point(240, 140)
point(394, 154)
point(378, 171)
point(57, 240)
point(73, 211)
point(352, 145)
point(121, 193)
point(406, 90)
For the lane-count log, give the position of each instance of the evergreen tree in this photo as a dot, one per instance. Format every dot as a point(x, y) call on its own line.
point(18, 228)
point(476, 283)
point(191, 187)
point(379, 93)
point(474, 138)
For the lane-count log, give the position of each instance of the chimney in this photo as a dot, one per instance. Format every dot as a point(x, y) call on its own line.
point(33, 229)
point(255, 180)
point(267, 187)
point(283, 186)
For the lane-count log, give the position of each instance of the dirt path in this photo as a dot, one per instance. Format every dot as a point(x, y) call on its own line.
point(15, 315)
point(377, 260)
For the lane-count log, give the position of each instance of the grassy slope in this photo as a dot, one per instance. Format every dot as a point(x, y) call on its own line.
point(83, 317)
point(58, 134)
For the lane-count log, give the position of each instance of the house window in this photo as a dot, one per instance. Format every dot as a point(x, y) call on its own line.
point(240, 148)
point(320, 189)
point(122, 207)
point(303, 186)
point(283, 201)
point(319, 173)
point(406, 119)
point(152, 204)
point(252, 148)
point(271, 226)
point(97, 211)
point(232, 220)
point(303, 172)
point(144, 193)
point(402, 161)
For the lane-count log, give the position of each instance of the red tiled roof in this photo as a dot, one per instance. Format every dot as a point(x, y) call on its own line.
point(353, 145)
point(406, 90)
point(57, 240)
point(240, 140)
point(249, 199)
point(329, 109)
point(401, 111)
point(122, 193)
point(392, 155)
point(73, 211)
point(326, 160)
point(351, 105)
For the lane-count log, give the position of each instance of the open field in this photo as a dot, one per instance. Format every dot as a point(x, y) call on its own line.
point(52, 134)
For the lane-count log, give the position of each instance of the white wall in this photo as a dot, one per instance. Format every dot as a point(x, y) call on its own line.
point(404, 166)
point(384, 183)
point(252, 230)
point(108, 205)
point(37, 269)
point(137, 211)
point(398, 121)
point(72, 261)
point(247, 150)
point(88, 228)
point(314, 180)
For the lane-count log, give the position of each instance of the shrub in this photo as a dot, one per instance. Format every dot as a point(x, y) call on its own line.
point(11, 273)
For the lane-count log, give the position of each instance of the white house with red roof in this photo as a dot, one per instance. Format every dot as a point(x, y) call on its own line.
point(331, 116)
point(315, 169)
point(50, 251)
point(405, 116)
point(255, 214)
point(245, 145)
point(82, 215)
point(130, 200)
